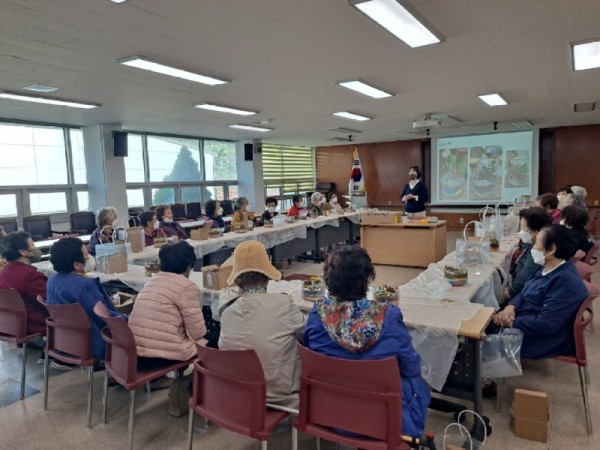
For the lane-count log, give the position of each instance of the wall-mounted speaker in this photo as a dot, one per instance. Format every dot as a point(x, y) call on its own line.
point(120, 143)
point(248, 152)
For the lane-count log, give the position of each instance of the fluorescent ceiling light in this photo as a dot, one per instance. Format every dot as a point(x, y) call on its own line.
point(586, 55)
point(399, 20)
point(118, 1)
point(364, 88)
point(48, 101)
point(143, 63)
point(349, 115)
point(39, 88)
point(241, 126)
point(493, 99)
point(225, 109)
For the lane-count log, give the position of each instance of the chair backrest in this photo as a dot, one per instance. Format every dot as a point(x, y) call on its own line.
point(227, 206)
point(178, 211)
point(121, 351)
point(9, 225)
point(193, 210)
point(363, 397)
point(83, 222)
point(69, 330)
point(39, 227)
point(584, 270)
point(13, 315)
point(584, 316)
point(230, 388)
point(592, 253)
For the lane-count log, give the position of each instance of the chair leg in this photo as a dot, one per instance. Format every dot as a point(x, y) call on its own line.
point(318, 443)
point(131, 414)
point(90, 395)
point(294, 438)
point(105, 396)
point(46, 376)
point(499, 382)
point(263, 445)
point(586, 403)
point(587, 375)
point(190, 435)
point(23, 370)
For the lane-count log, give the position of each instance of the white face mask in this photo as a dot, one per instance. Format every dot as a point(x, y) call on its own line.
point(561, 197)
point(90, 264)
point(322, 201)
point(167, 220)
point(300, 205)
point(538, 256)
point(220, 212)
point(525, 236)
point(562, 222)
point(156, 225)
point(271, 209)
point(334, 200)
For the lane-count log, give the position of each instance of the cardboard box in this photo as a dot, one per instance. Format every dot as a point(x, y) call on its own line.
point(201, 234)
point(530, 410)
point(215, 277)
point(381, 217)
point(126, 302)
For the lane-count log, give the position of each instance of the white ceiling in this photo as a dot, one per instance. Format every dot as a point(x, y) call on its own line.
point(284, 57)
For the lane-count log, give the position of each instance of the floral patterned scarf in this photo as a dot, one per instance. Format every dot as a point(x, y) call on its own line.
point(354, 325)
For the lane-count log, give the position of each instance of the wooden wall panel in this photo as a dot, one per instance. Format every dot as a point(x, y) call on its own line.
point(385, 167)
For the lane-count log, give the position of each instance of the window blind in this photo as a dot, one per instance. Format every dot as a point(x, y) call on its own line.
point(290, 168)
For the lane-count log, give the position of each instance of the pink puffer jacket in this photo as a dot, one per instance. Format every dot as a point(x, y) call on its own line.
point(167, 318)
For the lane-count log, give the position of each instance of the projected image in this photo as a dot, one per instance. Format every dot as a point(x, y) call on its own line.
point(486, 172)
point(517, 169)
point(453, 170)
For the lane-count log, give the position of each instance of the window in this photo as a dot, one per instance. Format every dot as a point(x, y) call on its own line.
point(190, 194)
point(174, 159)
point(289, 169)
point(134, 162)
point(83, 200)
point(78, 157)
point(220, 160)
point(135, 197)
point(163, 196)
point(8, 205)
point(214, 193)
point(48, 203)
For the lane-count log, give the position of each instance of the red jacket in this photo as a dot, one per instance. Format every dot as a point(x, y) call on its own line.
point(29, 283)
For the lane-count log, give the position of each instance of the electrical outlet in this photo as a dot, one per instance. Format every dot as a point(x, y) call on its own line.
point(390, 202)
point(595, 202)
point(461, 220)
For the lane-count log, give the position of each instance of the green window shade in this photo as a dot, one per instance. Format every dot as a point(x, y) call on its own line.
point(290, 168)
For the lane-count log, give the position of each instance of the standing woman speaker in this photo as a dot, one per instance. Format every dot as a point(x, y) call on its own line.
point(415, 193)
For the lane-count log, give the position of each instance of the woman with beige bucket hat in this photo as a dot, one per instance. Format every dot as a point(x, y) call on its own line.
point(270, 324)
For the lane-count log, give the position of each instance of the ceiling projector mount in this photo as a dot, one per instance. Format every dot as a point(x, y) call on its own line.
point(435, 121)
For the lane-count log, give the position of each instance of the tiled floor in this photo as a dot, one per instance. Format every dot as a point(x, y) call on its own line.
point(25, 425)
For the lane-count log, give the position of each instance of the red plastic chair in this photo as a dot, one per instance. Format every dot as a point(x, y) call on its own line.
point(13, 326)
point(585, 271)
point(121, 362)
point(591, 258)
point(69, 339)
point(230, 390)
point(363, 397)
point(584, 316)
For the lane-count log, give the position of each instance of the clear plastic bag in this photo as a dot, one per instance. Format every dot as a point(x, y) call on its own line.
point(501, 354)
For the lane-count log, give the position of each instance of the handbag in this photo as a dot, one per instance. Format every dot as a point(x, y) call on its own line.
point(472, 251)
point(135, 235)
point(501, 354)
point(111, 257)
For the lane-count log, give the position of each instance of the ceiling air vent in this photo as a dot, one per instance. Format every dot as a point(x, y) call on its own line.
point(584, 107)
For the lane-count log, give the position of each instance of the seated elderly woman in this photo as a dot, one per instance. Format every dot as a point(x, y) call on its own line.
point(348, 325)
point(104, 233)
point(270, 211)
point(151, 227)
point(549, 202)
point(317, 201)
point(164, 215)
point(575, 218)
point(332, 201)
point(270, 324)
point(167, 320)
point(546, 307)
point(241, 214)
point(71, 285)
point(297, 208)
point(215, 213)
point(532, 220)
point(19, 252)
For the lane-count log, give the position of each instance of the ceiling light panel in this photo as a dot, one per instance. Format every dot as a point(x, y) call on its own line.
point(39, 88)
point(242, 126)
point(400, 20)
point(118, 1)
point(365, 88)
point(225, 109)
point(493, 99)
point(351, 115)
point(586, 55)
point(141, 62)
point(47, 101)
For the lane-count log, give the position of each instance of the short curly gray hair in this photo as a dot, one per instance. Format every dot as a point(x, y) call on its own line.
point(240, 202)
point(316, 197)
point(104, 214)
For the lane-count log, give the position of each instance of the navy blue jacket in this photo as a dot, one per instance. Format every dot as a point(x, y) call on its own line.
point(420, 190)
point(394, 341)
point(66, 288)
point(525, 269)
point(546, 310)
